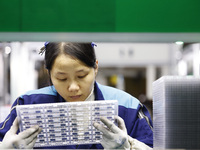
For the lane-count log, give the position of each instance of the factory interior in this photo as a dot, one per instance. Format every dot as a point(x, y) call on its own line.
point(151, 50)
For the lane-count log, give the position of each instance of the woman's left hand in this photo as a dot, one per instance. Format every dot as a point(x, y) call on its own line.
point(113, 137)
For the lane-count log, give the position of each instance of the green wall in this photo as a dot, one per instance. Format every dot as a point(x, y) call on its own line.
point(100, 16)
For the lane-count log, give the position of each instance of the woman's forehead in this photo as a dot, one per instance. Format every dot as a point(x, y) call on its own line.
point(66, 62)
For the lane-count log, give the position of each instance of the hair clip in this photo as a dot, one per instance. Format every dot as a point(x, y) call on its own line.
point(45, 44)
point(93, 44)
point(43, 49)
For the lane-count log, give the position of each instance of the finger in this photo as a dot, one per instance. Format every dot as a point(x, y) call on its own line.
point(31, 145)
point(121, 123)
point(31, 138)
point(110, 125)
point(14, 127)
point(105, 131)
point(28, 132)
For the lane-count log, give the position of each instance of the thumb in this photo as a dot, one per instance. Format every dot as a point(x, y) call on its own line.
point(14, 127)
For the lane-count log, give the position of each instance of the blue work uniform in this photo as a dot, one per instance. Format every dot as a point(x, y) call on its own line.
point(135, 115)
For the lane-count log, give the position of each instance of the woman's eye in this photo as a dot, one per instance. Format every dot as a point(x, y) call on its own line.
point(82, 76)
point(62, 79)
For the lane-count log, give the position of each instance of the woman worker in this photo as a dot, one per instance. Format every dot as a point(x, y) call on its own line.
point(72, 68)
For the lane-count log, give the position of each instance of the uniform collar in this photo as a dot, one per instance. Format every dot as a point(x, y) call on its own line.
point(91, 96)
point(98, 93)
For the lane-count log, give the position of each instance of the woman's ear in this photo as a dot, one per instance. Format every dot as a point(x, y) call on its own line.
point(96, 68)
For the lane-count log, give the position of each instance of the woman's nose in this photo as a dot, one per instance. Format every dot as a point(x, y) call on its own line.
point(73, 86)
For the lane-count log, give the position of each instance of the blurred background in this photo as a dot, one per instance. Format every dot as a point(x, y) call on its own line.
point(131, 67)
point(137, 42)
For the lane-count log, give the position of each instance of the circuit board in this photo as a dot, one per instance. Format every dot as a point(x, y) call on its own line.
point(68, 123)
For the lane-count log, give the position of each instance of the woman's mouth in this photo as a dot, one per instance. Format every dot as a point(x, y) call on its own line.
point(75, 97)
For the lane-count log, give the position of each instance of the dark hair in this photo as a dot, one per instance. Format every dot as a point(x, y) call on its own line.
point(81, 51)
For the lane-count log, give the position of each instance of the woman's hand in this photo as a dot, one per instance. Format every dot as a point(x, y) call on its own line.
point(113, 137)
point(23, 140)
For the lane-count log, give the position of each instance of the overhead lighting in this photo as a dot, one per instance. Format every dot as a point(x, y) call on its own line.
point(179, 42)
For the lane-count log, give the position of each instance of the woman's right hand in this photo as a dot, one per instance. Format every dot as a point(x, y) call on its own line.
point(23, 140)
point(113, 137)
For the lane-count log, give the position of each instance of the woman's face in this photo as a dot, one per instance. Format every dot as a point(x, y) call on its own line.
point(72, 79)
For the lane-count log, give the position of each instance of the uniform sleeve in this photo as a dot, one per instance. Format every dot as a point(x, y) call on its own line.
point(7, 123)
point(143, 128)
point(138, 123)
